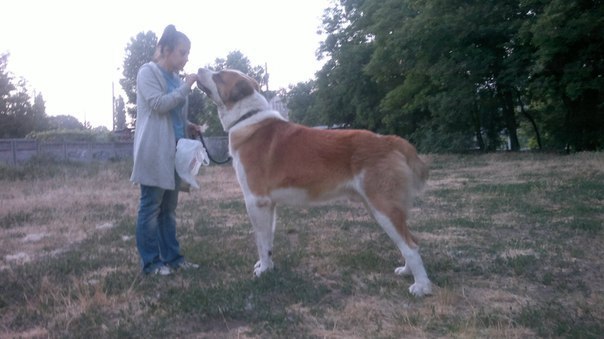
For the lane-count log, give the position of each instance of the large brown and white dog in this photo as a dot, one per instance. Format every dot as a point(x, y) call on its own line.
point(278, 162)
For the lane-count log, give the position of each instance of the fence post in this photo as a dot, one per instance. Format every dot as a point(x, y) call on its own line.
point(13, 146)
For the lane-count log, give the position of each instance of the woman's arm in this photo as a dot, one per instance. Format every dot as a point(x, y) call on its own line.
point(150, 88)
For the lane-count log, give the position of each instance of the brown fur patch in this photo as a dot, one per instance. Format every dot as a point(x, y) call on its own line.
point(278, 154)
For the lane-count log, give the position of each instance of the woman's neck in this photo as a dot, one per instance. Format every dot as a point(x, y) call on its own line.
point(163, 64)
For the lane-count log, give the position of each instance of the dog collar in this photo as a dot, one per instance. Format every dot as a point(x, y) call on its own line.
point(243, 117)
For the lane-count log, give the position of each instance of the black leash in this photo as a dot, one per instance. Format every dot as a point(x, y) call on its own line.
point(200, 138)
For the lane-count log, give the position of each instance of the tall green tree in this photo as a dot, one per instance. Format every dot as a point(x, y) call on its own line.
point(301, 100)
point(65, 122)
point(442, 63)
point(119, 118)
point(6, 84)
point(39, 119)
point(346, 95)
point(18, 115)
point(568, 70)
point(451, 74)
point(138, 52)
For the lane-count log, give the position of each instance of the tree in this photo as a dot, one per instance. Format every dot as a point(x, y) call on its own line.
point(568, 71)
point(65, 122)
point(6, 84)
point(139, 51)
point(119, 118)
point(441, 62)
point(203, 113)
point(39, 120)
point(6, 89)
point(346, 95)
point(18, 116)
point(301, 100)
point(451, 74)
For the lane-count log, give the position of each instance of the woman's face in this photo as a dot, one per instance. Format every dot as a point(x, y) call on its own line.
point(178, 58)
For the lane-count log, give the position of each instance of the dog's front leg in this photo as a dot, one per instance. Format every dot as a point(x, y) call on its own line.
point(262, 215)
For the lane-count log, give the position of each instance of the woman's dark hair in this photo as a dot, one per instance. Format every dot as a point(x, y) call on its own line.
point(169, 39)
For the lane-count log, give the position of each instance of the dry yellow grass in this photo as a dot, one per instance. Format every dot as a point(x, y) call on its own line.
point(512, 242)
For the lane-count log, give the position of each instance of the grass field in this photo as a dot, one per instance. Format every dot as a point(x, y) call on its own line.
point(513, 243)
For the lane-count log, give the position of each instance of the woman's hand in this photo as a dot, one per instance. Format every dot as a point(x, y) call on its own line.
point(190, 79)
point(193, 130)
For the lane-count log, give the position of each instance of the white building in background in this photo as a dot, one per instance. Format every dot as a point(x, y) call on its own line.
point(278, 104)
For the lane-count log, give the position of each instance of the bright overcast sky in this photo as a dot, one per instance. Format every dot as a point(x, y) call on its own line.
point(70, 51)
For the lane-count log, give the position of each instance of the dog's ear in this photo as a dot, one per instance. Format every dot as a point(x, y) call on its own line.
point(252, 81)
point(242, 89)
point(255, 84)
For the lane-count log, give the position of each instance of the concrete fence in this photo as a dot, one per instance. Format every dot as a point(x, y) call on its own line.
point(18, 151)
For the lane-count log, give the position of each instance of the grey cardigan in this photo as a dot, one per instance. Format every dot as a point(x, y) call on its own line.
point(154, 141)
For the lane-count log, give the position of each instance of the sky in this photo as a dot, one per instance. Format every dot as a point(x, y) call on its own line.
point(72, 51)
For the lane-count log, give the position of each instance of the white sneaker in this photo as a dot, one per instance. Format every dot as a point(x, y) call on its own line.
point(186, 265)
point(161, 270)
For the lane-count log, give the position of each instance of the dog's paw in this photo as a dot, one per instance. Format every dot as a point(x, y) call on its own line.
point(421, 289)
point(260, 268)
point(403, 270)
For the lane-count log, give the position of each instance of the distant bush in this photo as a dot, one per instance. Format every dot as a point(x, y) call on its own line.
point(86, 135)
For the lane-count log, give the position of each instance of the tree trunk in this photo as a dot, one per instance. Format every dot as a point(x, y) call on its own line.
point(477, 128)
point(532, 121)
point(509, 117)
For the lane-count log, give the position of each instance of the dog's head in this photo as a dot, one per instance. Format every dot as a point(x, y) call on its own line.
point(226, 87)
point(232, 91)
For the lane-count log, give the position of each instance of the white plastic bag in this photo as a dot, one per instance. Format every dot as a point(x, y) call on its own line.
point(190, 155)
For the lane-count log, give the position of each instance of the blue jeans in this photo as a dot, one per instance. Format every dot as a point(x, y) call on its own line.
point(156, 228)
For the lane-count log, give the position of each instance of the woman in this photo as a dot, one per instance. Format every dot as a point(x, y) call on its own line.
point(161, 120)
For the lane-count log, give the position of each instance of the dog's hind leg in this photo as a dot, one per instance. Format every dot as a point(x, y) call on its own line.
point(388, 192)
point(394, 223)
point(262, 215)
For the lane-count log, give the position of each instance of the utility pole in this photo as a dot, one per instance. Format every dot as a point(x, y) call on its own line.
point(266, 76)
point(113, 104)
